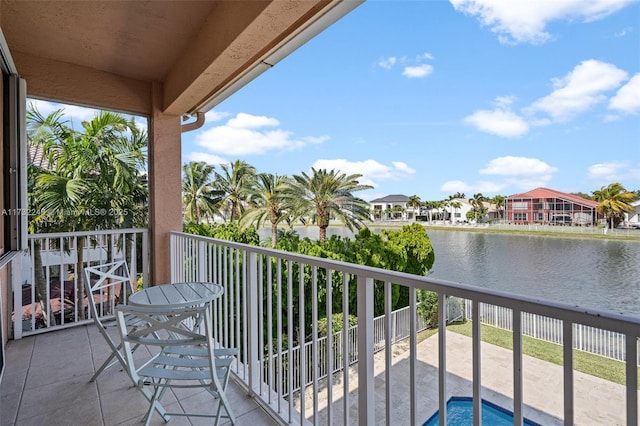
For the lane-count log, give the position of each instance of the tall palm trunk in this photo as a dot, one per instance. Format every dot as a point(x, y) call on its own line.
point(274, 234)
point(323, 233)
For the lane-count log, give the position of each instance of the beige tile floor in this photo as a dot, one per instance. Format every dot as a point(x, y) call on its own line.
point(46, 382)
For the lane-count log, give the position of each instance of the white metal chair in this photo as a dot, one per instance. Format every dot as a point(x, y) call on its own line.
point(106, 286)
point(185, 358)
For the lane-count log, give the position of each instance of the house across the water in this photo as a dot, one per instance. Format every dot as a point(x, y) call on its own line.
point(550, 207)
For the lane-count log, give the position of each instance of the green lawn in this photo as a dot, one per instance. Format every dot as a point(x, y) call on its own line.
point(604, 368)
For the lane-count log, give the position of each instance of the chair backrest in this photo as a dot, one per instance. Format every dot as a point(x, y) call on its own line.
point(170, 329)
point(107, 285)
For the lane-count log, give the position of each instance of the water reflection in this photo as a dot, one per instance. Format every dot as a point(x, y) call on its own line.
point(591, 273)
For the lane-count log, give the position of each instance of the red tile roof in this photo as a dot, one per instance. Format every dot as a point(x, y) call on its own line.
point(551, 193)
point(37, 158)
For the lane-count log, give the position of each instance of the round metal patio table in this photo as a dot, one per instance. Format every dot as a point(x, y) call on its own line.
point(177, 294)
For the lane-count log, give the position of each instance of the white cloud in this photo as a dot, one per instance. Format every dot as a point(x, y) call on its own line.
point(71, 112)
point(314, 140)
point(504, 101)
point(403, 167)
point(418, 71)
point(482, 187)
point(608, 171)
point(517, 172)
point(213, 116)
point(634, 175)
point(623, 32)
point(627, 99)
point(387, 63)
point(517, 166)
point(141, 123)
point(499, 122)
point(207, 158)
point(371, 170)
point(248, 121)
point(529, 182)
point(45, 108)
point(413, 67)
point(526, 21)
point(245, 134)
point(579, 90)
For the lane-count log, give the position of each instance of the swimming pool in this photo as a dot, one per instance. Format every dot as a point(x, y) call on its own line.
point(460, 413)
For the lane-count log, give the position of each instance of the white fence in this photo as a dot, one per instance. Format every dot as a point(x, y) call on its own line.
point(566, 229)
point(597, 341)
point(400, 330)
point(587, 339)
point(49, 301)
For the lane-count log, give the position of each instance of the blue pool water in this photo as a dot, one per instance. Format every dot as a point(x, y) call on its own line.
point(460, 413)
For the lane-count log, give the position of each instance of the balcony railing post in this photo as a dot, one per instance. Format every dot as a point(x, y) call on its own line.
point(567, 339)
point(173, 253)
point(366, 389)
point(253, 359)
point(632, 378)
point(202, 264)
point(442, 358)
point(146, 256)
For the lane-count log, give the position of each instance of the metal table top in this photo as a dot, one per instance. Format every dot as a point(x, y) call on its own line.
point(177, 294)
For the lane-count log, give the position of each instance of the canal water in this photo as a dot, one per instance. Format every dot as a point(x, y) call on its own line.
point(592, 273)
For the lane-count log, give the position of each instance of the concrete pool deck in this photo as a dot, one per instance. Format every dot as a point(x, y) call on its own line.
point(596, 401)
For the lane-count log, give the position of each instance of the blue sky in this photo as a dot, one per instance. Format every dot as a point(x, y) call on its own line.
point(430, 98)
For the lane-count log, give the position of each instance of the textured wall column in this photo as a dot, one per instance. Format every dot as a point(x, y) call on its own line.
point(165, 197)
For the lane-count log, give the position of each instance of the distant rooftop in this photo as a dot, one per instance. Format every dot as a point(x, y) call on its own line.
point(552, 193)
point(395, 198)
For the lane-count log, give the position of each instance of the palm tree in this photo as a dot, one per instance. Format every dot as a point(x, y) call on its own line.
point(430, 205)
point(267, 202)
point(397, 210)
point(498, 201)
point(478, 206)
point(40, 130)
point(98, 169)
point(325, 194)
point(455, 205)
point(93, 178)
point(236, 181)
point(200, 198)
point(414, 202)
point(613, 200)
point(444, 204)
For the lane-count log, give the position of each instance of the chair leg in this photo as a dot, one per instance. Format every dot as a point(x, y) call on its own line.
point(224, 402)
point(154, 402)
point(154, 405)
point(108, 363)
point(115, 353)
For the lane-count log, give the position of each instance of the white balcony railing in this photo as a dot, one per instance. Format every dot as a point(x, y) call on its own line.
point(49, 301)
point(272, 300)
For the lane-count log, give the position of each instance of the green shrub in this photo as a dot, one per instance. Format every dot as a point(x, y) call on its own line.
point(428, 307)
point(337, 323)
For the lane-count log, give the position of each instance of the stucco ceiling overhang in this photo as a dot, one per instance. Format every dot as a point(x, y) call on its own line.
point(186, 56)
